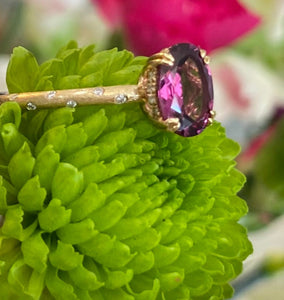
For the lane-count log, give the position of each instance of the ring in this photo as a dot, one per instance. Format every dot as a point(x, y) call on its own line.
point(175, 86)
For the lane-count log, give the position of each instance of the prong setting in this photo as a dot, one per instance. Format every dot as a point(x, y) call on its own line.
point(163, 57)
point(172, 124)
point(147, 86)
point(204, 56)
point(206, 60)
point(202, 53)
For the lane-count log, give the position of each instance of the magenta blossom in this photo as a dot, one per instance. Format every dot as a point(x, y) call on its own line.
point(151, 25)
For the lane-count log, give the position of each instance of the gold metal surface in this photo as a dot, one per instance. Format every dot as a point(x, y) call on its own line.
point(87, 96)
point(206, 60)
point(202, 53)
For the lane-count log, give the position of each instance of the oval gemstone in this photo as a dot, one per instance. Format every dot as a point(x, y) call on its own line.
point(185, 90)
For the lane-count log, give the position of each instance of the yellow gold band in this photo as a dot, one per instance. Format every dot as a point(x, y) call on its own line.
point(73, 97)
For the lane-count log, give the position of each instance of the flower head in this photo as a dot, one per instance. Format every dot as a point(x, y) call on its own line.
point(101, 204)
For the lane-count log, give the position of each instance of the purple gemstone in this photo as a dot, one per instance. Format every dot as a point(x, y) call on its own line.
point(185, 90)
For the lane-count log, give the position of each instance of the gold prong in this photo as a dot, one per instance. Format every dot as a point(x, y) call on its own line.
point(212, 113)
point(163, 55)
point(206, 59)
point(160, 61)
point(202, 53)
point(165, 50)
point(173, 124)
point(161, 58)
point(210, 120)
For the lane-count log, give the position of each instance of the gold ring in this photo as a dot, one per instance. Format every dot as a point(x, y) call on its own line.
point(175, 87)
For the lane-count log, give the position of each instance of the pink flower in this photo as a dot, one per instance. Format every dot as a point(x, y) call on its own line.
point(151, 25)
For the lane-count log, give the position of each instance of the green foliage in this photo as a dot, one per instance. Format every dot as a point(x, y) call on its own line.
point(101, 204)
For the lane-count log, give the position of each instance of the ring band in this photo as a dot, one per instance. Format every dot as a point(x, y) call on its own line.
point(175, 86)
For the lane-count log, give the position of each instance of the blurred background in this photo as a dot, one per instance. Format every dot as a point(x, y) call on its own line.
point(245, 40)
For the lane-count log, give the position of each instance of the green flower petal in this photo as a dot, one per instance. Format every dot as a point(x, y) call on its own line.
point(117, 279)
point(85, 279)
point(83, 157)
point(166, 255)
point(22, 73)
point(61, 116)
point(108, 215)
point(67, 183)
point(55, 136)
point(97, 246)
point(24, 159)
point(199, 282)
point(94, 125)
point(142, 262)
point(76, 233)
point(58, 257)
point(22, 278)
point(13, 226)
point(91, 199)
point(54, 216)
point(46, 165)
point(76, 139)
point(10, 113)
point(31, 195)
point(58, 288)
point(35, 252)
point(172, 280)
point(3, 197)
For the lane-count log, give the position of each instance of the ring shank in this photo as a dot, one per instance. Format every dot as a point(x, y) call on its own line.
point(82, 97)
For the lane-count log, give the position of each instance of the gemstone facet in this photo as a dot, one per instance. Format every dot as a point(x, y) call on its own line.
point(31, 106)
point(120, 98)
point(185, 90)
point(99, 91)
point(51, 95)
point(71, 103)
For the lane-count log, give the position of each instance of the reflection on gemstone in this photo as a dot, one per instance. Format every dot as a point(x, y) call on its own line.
point(175, 105)
point(185, 90)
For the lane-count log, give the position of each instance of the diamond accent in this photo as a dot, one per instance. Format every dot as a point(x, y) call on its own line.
point(120, 98)
point(31, 106)
point(51, 95)
point(152, 100)
point(99, 91)
point(71, 103)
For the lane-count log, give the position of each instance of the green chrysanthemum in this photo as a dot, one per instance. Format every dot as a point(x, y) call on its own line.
point(100, 204)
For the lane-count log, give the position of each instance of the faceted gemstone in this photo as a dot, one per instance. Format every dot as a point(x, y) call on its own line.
point(31, 106)
point(99, 91)
point(71, 103)
point(185, 90)
point(51, 95)
point(120, 98)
